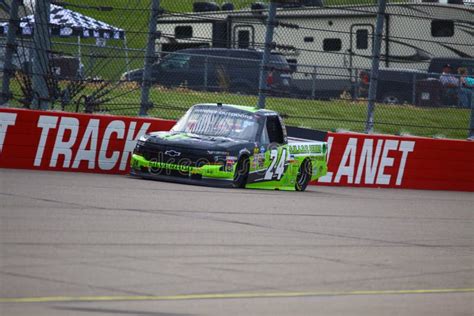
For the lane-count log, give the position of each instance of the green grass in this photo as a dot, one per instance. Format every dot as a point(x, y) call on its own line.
point(327, 115)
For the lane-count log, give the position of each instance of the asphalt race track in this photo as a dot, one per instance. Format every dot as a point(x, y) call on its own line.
point(86, 244)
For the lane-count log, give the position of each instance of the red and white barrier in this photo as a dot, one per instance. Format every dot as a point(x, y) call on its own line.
point(103, 143)
point(71, 142)
point(399, 162)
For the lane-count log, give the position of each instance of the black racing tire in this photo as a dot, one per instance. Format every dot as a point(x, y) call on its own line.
point(241, 172)
point(304, 175)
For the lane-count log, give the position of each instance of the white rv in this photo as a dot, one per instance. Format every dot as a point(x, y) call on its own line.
point(328, 45)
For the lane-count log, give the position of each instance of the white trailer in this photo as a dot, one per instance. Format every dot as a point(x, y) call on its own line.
point(328, 45)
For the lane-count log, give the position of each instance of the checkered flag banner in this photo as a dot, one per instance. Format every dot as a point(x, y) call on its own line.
point(67, 23)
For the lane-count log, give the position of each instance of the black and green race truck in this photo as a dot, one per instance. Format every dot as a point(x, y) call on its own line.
point(231, 146)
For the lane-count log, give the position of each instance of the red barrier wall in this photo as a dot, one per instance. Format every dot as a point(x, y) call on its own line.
point(71, 142)
point(399, 162)
point(103, 143)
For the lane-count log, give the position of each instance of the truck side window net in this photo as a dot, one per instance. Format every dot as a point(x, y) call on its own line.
point(264, 139)
point(332, 44)
point(274, 129)
point(442, 28)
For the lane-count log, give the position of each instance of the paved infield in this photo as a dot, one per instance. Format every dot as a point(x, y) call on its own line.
point(85, 244)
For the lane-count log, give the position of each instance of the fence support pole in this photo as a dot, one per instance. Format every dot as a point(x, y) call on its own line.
point(369, 127)
point(313, 83)
point(10, 49)
point(42, 48)
point(262, 87)
point(356, 86)
point(413, 95)
point(127, 58)
point(206, 70)
point(149, 57)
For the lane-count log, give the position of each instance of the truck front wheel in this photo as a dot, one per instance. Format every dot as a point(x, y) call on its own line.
point(241, 172)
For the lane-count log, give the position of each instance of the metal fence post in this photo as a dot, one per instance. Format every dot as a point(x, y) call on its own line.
point(413, 96)
point(356, 84)
point(313, 84)
point(369, 127)
point(41, 53)
point(149, 56)
point(262, 87)
point(206, 69)
point(9, 51)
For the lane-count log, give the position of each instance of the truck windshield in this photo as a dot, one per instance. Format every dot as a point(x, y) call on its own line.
point(218, 122)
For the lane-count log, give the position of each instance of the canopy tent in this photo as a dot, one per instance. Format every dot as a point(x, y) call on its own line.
point(68, 23)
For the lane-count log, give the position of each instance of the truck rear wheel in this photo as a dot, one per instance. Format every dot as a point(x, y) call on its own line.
point(241, 172)
point(304, 175)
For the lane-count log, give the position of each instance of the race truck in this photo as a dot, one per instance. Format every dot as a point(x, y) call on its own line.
point(231, 146)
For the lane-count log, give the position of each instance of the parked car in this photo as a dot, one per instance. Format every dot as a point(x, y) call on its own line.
point(397, 86)
point(217, 69)
point(230, 145)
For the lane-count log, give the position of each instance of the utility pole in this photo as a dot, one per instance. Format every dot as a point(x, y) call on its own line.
point(374, 75)
point(266, 54)
point(145, 104)
point(10, 49)
point(42, 49)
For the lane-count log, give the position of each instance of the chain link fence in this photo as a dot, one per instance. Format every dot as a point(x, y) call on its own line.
point(318, 75)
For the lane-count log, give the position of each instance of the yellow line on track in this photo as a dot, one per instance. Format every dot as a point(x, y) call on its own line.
point(49, 299)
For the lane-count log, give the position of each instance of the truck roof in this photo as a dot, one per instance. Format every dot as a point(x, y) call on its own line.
point(244, 108)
